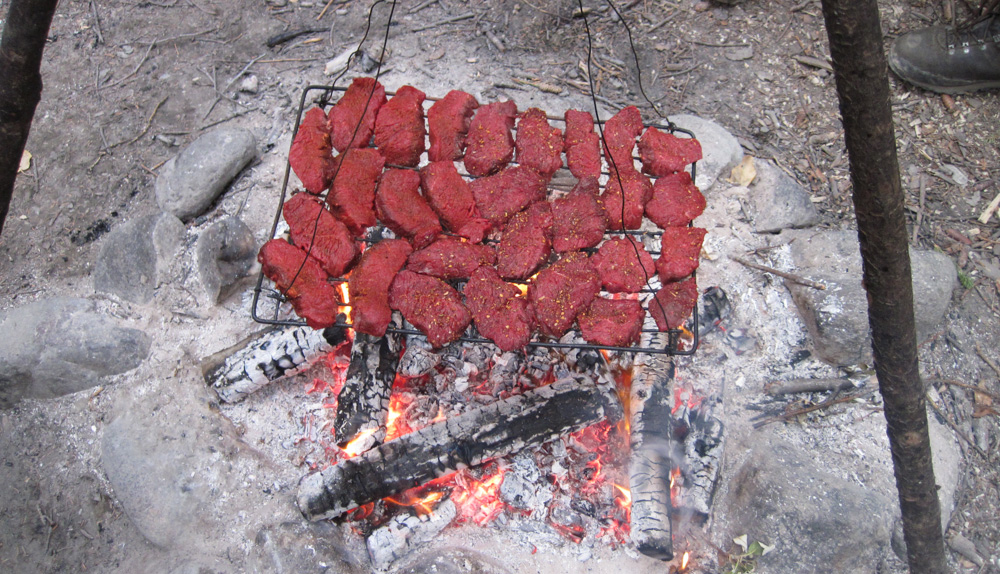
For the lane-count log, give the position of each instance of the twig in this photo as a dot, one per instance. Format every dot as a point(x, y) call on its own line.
point(230, 84)
point(987, 360)
point(791, 386)
point(223, 120)
point(152, 44)
point(325, 8)
point(980, 390)
point(833, 400)
point(719, 44)
point(97, 22)
point(987, 213)
point(957, 430)
point(458, 18)
point(145, 130)
point(791, 277)
point(659, 24)
point(920, 210)
point(421, 6)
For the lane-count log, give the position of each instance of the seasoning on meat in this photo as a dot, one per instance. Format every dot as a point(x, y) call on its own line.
point(679, 252)
point(619, 268)
point(312, 225)
point(500, 196)
point(401, 208)
point(582, 145)
point(352, 195)
point(500, 313)
point(311, 156)
point(489, 145)
point(673, 303)
point(399, 127)
point(578, 219)
point(619, 137)
point(450, 197)
point(663, 153)
point(638, 190)
point(612, 322)
point(561, 291)
point(352, 118)
point(676, 201)
point(538, 144)
point(431, 305)
point(304, 284)
point(451, 258)
point(369, 285)
point(526, 242)
point(448, 120)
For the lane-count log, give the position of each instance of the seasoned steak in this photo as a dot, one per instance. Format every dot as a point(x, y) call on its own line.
point(352, 118)
point(352, 195)
point(431, 305)
point(619, 135)
point(673, 303)
point(538, 144)
point(638, 190)
point(448, 120)
point(399, 205)
point(526, 242)
point(578, 219)
point(582, 145)
point(311, 225)
point(451, 258)
point(561, 291)
point(489, 145)
point(500, 196)
point(302, 280)
point(621, 271)
point(311, 156)
point(679, 252)
point(578, 125)
point(664, 153)
point(399, 127)
point(450, 197)
point(676, 201)
point(369, 285)
point(612, 322)
point(502, 315)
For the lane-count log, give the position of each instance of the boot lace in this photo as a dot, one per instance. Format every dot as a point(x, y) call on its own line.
point(979, 35)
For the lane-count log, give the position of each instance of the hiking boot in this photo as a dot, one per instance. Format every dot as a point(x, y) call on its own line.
point(944, 60)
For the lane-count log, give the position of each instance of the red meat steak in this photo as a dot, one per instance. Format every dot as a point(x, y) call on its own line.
point(620, 269)
point(578, 219)
point(679, 252)
point(448, 120)
point(638, 190)
point(582, 145)
point(500, 196)
point(451, 258)
point(578, 125)
point(673, 303)
point(501, 314)
point(305, 284)
point(561, 291)
point(489, 145)
point(676, 201)
point(312, 225)
point(311, 156)
point(526, 242)
point(619, 135)
point(369, 285)
point(538, 145)
point(450, 197)
point(431, 305)
point(399, 127)
point(399, 205)
point(352, 196)
point(352, 118)
point(612, 322)
point(664, 153)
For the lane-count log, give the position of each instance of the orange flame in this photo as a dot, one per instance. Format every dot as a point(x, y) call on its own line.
point(675, 487)
point(424, 505)
point(684, 561)
point(480, 499)
point(625, 500)
point(345, 297)
point(356, 445)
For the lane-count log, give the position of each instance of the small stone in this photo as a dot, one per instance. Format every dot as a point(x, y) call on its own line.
point(778, 202)
point(134, 256)
point(249, 84)
point(225, 253)
point(739, 53)
point(702, 6)
point(720, 148)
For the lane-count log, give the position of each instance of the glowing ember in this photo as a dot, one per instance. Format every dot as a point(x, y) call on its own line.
point(478, 500)
point(625, 500)
point(356, 445)
point(424, 505)
point(345, 297)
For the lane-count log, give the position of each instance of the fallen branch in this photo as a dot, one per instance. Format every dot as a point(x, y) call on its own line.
point(833, 400)
point(792, 386)
point(145, 130)
point(955, 427)
point(451, 20)
point(790, 276)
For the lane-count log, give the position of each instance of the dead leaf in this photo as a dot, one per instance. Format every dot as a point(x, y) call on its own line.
point(983, 406)
point(25, 162)
point(744, 173)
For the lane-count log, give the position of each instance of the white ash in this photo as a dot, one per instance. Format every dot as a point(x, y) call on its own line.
point(405, 532)
point(522, 484)
point(419, 358)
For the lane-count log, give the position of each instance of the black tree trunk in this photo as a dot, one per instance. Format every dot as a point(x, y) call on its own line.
point(859, 64)
point(21, 47)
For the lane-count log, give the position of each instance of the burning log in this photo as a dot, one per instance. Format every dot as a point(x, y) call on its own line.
point(405, 532)
point(700, 433)
point(469, 439)
point(363, 403)
point(252, 364)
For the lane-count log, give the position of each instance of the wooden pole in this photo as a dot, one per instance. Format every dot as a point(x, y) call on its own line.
point(859, 65)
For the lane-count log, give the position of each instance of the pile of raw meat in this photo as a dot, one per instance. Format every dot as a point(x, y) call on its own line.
point(491, 228)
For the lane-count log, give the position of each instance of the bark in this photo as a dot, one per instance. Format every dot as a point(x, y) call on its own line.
point(859, 65)
point(24, 35)
point(363, 403)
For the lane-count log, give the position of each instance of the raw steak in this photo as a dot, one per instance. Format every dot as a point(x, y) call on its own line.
point(538, 145)
point(619, 137)
point(312, 225)
point(448, 120)
point(311, 156)
point(451, 258)
point(399, 127)
point(369, 285)
point(578, 125)
point(578, 219)
point(501, 314)
point(561, 291)
point(500, 196)
point(638, 190)
point(676, 201)
point(352, 196)
point(402, 209)
point(612, 322)
point(583, 151)
point(620, 270)
point(526, 242)
point(304, 284)
point(664, 153)
point(679, 252)
point(431, 305)
point(450, 197)
point(352, 118)
point(673, 303)
point(489, 145)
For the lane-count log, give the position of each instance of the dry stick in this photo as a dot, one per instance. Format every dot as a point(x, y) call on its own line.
point(987, 360)
point(957, 430)
point(446, 21)
point(833, 400)
point(230, 84)
point(152, 44)
point(421, 6)
point(791, 277)
point(149, 123)
point(975, 388)
point(920, 210)
point(97, 22)
point(791, 386)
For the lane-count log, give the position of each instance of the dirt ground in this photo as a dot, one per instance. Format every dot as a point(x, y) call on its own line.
point(127, 84)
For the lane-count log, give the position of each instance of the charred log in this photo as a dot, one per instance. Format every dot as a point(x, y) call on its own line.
point(466, 440)
point(407, 532)
point(699, 432)
point(363, 404)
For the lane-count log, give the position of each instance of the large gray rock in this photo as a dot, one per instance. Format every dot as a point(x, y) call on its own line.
point(134, 256)
point(58, 346)
point(225, 253)
point(777, 202)
point(189, 182)
point(301, 546)
point(721, 151)
point(837, 318)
